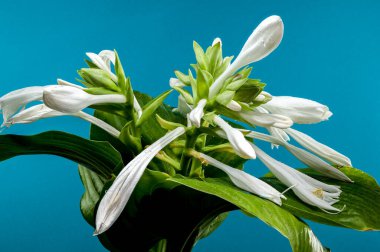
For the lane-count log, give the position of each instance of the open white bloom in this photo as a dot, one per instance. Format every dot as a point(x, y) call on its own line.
point(309, 190)
point(244, 180)
point(318, 148)
point(17, 99)
point(300, 110)
point(264, 39)
point(240, 145)
point(262, 119)
point(195, 116)
point(117, 196)
point(69, 99)
point(305, 157)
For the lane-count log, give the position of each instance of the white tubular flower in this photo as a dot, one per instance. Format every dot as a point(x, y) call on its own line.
point(234, 106)
point(103, 61)
point(117, 196)
point(69, 99)
point(261, 119)
point(240, 145)
point(316, 163)
point(264, 39)
point(195, 116)
point(302, 111)
point(41, 111)
point(309, 190)
point(174, 82)
point(263, 96)
point(244, 180)
point(279, 134)
point(318, 148)
point(305, 157)
point(32, 114)
point(16, 100)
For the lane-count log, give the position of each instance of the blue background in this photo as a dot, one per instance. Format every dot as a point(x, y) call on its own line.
point(329, 53)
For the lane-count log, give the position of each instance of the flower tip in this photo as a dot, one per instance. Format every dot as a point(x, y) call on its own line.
point(327, 115)
point(216, 41)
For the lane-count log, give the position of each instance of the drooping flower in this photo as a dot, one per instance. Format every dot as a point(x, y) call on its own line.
point(240, 145)
point(69, 99)
point(300, 110)
point(41, 111)
point(308, 189)
point(117, 196)
point(304, 156)
point(264, 39)
point(318, 148)
point(244, 180)
point(17, 99)
point(195, 116)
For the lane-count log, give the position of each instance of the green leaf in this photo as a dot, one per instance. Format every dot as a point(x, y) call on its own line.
point(98, 156)
point(151, 107)
point(204, 80)
point(182, 77)
point(361, 200)
point(188, 98)
point(214, 55)
point(249, 91)
point(98, 78)
point(300, 236)
point(225, 97)
point(93, 185)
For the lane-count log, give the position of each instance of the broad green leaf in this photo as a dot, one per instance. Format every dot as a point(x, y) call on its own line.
point(98, 156)
point(93, 185)
point(361, 201)
point(300, 236)
point(151, 107)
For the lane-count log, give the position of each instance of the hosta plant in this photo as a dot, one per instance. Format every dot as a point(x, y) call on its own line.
point(160, 178)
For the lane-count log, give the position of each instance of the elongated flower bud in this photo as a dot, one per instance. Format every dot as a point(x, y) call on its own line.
point(318, 148)
point(69, 99)
point(244, 180)
point(195, 116)
point(241, 146)
point(264, 40)
point(302, 111)
point(118, 194)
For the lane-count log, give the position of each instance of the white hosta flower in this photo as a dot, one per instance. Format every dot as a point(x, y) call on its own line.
point(263, 96)
point(318, 148)
point(195, 116)
point(302, 111)
point(32, 114)
point(264, 39)
point(234, 106)
point(240, 145)
point(244, 180)
point(279, 134)
point(305, 157)
point(41, 111)
point(69, 99)
point(309, 190)
point(174, 82)
point(17, 99)
point(102, 60)
point(262, 119)
point(183, 107)
point(117, 196)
